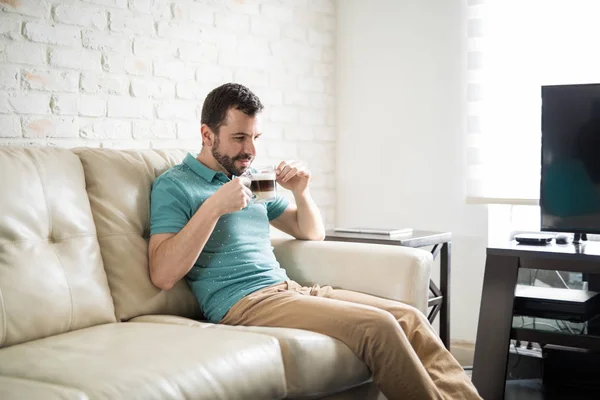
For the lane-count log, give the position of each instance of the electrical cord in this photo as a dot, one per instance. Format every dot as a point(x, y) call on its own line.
point(519, 356)
point(562, 280)
point(534, 323)
point(534, 277)
point(565, 324)
point(530, 274)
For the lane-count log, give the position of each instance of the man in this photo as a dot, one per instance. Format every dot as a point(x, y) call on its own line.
point(204, 227)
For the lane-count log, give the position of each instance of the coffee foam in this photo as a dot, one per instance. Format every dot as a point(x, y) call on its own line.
point(264, 195)
point(265, 176)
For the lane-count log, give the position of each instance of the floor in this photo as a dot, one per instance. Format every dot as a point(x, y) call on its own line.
point(531, 389)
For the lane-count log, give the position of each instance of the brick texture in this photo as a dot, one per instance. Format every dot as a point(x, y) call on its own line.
point(134, 74)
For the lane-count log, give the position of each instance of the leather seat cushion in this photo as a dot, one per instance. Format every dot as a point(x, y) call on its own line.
point(152, 361)
point(19, 389)
point(315, 364)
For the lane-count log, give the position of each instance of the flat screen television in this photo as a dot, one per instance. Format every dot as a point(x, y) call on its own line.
point(570, 173)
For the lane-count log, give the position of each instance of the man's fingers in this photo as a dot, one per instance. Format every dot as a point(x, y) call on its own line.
point(290, 174)
point(244, 180)
point(285, 165)
point(280, 167)
point(246, 197)
point(282, 170)
point(303, 172)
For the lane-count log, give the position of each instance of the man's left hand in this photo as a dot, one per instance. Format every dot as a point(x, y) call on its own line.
point(294, 176)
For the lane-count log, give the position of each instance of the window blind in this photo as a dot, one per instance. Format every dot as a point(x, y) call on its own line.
point(513, 48)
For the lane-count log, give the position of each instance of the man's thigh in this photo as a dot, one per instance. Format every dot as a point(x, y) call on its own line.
point(394, 307)
point(290, 309)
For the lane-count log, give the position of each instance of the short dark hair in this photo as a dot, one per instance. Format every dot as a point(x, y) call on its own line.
point(221, 99)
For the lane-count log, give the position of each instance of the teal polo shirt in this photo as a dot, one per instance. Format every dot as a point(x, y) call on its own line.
point(238, 258)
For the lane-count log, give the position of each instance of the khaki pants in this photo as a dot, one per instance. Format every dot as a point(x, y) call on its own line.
point(405, 355)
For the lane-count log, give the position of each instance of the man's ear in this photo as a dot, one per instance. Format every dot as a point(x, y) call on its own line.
point(208, 137)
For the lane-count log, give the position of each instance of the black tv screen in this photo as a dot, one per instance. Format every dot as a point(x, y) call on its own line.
point(570, 174)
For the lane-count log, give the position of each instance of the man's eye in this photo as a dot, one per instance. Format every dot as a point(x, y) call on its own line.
point(239, 138)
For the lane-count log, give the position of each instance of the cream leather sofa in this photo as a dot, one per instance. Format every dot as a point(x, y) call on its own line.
point(80, 319)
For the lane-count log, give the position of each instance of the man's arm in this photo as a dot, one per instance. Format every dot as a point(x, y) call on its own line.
point(301, 220)
point(172, 255)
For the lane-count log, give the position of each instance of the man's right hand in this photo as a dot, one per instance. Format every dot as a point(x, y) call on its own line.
point(231, 197)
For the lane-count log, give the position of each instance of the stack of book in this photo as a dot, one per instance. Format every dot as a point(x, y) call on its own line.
point(377, 231)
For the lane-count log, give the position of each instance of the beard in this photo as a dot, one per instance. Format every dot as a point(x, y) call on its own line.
point(228, 163)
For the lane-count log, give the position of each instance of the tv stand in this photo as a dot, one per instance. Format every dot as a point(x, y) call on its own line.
point(495, 328)
point(579, 238)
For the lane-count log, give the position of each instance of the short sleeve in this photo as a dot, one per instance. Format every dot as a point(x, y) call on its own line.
point(276, 207)
point(170, 210)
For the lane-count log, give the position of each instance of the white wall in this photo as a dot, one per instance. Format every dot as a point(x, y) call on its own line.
point(401, 132)
point(134, 74)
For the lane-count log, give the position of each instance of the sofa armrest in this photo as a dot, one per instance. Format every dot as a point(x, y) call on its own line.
point(392, 272)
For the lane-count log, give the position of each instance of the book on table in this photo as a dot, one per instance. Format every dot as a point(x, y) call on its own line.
point(376, 231)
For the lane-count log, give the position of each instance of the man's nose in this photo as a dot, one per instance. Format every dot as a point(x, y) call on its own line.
point(250, 148)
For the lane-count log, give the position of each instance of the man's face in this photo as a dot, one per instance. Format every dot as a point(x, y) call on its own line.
point(234, 145)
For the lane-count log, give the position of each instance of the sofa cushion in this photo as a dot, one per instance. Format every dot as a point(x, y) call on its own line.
point(153, 361)
point(118, 185)
point(19, 389)
point(51, 275)
point(315, 364)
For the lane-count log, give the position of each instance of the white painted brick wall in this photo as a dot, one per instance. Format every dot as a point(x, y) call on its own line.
point(134, 74)
point(40, 127)
point(91, 106)
point(103, 83)
point(39, 9)
point(46, 33)
point(200, 13)
point(29, 102)
point(5, 107)
point(124, 21)
point(159, 89)
point(96, 40)
point(10, 126)
point(104, 128)
point(129, 107)
point(49, 80)
point(85, 16)
point(64, 103)
point(25, 53)
point(9, 77)
point(79, 59)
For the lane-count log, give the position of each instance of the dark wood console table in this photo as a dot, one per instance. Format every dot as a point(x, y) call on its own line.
point(496, 313)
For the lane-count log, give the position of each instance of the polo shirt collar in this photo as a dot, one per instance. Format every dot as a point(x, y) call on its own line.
point(202, 170)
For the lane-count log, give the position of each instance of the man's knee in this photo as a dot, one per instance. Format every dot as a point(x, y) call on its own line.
point(412, 315)
point(378, 322)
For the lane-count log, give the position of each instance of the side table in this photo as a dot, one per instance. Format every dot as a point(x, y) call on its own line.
point(439, 298)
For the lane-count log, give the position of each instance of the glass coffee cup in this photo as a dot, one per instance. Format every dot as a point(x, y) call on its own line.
point(263, 183)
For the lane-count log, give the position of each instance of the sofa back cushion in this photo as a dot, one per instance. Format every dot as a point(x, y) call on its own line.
point(118, 185)
point(51, 275)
